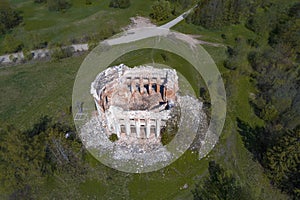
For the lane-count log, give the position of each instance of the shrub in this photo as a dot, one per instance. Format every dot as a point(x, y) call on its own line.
point(9, 18)
point(40, 1)
point(28, 55)
point(58, 5)
point(119, 3)
point(88, 2)
point(58, 53)
point(161, 10)
point(113, 137)
point(13, 58)
point(12, 44)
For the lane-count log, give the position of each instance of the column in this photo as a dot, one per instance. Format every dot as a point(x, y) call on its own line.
point(98, 105)
point(117, 129)
point(148, 125)
point(157, 128)
point(132, 83)
point(127, 126)
point(150, 86)
point(138, 128)
point(158, 85)
point(142, 85)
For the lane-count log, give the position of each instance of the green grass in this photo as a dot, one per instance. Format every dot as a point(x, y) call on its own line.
point(75, 23)
point(33, 90)
point(168, 182)
point(93, 188)
point(231, 32)
point(45, 88)
point(230, 151)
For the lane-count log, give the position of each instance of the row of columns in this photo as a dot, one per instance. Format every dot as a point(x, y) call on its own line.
point(141, 85)
point(138, 125)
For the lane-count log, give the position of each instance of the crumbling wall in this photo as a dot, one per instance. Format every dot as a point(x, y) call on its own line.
point(135, 101)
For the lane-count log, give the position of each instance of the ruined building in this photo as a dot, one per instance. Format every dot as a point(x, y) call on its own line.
point(135, 102)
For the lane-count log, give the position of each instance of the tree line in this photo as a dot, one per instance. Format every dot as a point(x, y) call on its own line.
point(219, 184)
point(273, 56)
point(28, 158)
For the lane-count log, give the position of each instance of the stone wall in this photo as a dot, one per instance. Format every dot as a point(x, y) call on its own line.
point(135, 101)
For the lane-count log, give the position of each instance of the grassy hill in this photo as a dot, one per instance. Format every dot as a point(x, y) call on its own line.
point(30, 91)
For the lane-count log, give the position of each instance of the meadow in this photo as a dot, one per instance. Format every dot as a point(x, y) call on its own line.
point(79, 23)
point(45, 88)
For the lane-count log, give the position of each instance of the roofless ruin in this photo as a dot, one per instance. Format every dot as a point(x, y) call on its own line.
point(135, 102)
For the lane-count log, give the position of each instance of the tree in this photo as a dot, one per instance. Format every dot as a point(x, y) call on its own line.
point(58, 5)
point(283, 162)
point(218, 185)
point(28, 158)
point(160, 10)
point(217, 13)
point(21, 160)
point(40, 1)
point(59, 52)
point(9, 18)
point(11, 44)
point(237, 55)
point(179, 6)
point(119, 3)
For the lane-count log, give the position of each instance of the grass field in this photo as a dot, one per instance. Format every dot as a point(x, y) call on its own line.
point(231, 32)
point(77, 22)
point(32, 90)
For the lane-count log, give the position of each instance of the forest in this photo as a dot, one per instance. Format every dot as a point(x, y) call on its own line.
point(274, 58)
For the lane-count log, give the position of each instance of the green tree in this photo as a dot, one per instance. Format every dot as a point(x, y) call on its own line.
point(218, 185)
point(21, 160)
point(28, 55)
point(283, 162)
point(59, 52)
point(11, 44)
point(28, 158)
point(113, 137)
point(40, 1)
point(179, 6)
point(119, 3)
point(160, 10)
point(218, 13)
point(58, 5)
point(237, 55)
point(9, 18)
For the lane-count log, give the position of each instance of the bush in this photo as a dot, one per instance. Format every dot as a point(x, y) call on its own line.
point(88, 2)
point(168, 132)
point(9, 18)
point(11, 44)
point(13, 58)
point(161, 10)
point(58, 53)
point(28, 55)
point(92, 45)
point(113, 137)
point(231, 63)
point(40, 1)
point(58, 5)
point(119, 3)
point(37, 42)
